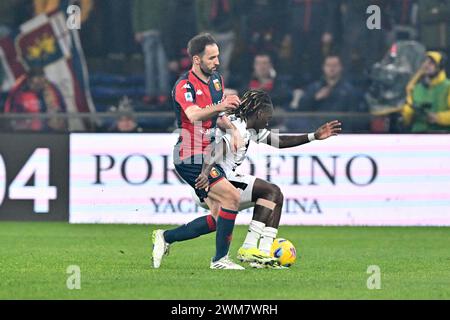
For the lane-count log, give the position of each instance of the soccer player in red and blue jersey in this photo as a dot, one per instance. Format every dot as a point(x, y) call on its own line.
point(198, 100)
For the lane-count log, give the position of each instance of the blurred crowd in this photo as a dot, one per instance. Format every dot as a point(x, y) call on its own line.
point(312, 56)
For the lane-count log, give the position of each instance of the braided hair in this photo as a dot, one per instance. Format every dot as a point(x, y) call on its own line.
point(251, 102)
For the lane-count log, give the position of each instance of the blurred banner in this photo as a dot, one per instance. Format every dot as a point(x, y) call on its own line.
point(34, 177)
point(46, 42)
point(398, 180)
point(10, 65)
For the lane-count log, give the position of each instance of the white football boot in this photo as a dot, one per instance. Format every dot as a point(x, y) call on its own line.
point(160, 247)
point(226, 263)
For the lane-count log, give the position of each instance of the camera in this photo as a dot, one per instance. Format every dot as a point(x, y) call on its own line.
point(422, 109)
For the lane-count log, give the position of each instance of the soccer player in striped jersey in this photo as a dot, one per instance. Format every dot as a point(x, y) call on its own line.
point(252, 119)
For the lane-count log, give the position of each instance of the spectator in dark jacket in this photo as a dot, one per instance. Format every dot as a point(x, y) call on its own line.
point(332, 93)
point(265, 77)
point(312, 26)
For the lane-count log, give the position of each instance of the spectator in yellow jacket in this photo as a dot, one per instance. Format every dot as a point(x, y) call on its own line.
point(427, 107)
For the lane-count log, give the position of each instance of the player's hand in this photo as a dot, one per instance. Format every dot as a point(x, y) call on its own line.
point(237, 141)
point(329, 129)
point(229, 103)
point(202, 181)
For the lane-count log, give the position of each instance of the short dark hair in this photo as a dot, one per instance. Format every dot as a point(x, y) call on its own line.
point(196, 46)
point(263, 54)
point(333, 55)
point(273, 60)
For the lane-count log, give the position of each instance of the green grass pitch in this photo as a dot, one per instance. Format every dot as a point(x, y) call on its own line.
point(115, 264)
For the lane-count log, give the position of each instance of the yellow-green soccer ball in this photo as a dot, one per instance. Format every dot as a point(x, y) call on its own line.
point(284, 251)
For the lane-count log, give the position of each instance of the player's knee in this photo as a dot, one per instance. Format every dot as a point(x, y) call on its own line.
point(276, 195)
point(232, 198)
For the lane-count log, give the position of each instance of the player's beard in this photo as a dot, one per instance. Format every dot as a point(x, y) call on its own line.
point(207, 72)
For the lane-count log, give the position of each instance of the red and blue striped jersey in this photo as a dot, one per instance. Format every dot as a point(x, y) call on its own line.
point(190, 91)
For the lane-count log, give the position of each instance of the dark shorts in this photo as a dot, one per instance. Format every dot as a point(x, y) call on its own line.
point(190, 170)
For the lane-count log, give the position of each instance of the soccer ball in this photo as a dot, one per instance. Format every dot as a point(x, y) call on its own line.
point(284, 251)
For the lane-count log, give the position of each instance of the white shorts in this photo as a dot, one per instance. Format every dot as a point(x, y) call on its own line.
point(243, 182)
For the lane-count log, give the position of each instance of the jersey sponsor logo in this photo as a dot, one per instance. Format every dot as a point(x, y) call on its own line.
point(217, 84)
point(188, 96)
point(214, 173)
point(199, 92)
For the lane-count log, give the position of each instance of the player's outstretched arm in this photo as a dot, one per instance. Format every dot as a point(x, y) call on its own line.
point(329, 129)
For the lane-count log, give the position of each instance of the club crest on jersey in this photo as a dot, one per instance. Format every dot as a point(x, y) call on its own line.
point(188, 96)
point(217, 84)
point(214, 173)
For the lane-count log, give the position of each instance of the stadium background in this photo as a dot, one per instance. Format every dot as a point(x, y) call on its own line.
point(374, 174)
